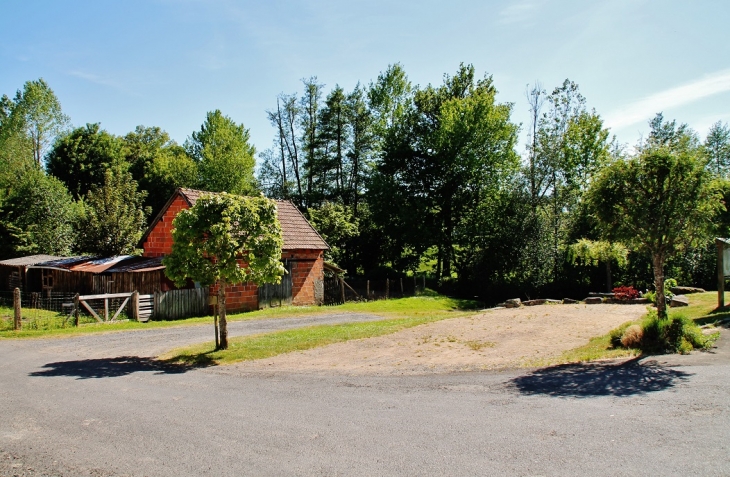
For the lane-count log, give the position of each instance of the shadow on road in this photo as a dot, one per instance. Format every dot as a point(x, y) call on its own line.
point(590, 380)
point(111, 367)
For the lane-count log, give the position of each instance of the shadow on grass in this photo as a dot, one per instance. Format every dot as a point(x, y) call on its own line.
point(593, 380)
point(120, 366)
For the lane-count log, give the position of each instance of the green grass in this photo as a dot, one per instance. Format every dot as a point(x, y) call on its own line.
point(401, 307)
point(400, 314)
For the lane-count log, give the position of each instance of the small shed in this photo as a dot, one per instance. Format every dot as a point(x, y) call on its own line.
point(99, 275)
point(14, 272)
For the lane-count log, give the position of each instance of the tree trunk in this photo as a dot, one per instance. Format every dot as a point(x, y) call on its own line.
point(661, 303)
point(609, 284)
point(222, 314)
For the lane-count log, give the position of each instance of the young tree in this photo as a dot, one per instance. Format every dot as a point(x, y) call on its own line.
point(38, 217)
point(592, 252)
point(113, 216)
point(224, 155)
point(226, 239)
point(659, 202)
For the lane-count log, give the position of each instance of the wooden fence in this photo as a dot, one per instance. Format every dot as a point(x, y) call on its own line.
point(176, 304)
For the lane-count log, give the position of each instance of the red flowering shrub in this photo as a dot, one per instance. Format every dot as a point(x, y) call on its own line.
point(625, 293)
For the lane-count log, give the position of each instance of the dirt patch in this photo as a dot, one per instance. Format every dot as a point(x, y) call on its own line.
point(492, 340)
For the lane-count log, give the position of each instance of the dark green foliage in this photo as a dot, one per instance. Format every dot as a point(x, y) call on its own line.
point(113, 217)
point(337, 226)
point(677, 335)
point(81, 158)
point(37, 217)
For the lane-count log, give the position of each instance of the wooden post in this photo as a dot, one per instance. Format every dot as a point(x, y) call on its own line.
point(106, 309)
point(387, 288)
point(76, 310)
point(342, 289)
point(135, 306)
point(720, 273)
point(415, 286)
point(401, 286)
point(367, 290)
point(16, 309)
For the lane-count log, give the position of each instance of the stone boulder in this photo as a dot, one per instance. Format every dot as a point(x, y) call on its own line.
point(512, 303)
point(686, 290)
point(679, 300)
point(570, 301)
point(538, 301)
point(593, 300)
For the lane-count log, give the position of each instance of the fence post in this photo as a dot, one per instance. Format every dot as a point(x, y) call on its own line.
point(367, 290)
point(342, 289)
point(135, 306)
point(16, 309)
point(76, 310)
point(415, 285)
point(387, 288)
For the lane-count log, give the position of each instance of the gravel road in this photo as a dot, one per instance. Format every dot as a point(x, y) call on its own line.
point(100, 406)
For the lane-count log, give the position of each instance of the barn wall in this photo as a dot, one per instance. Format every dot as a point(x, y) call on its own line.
point(159, 241)
point(307, 268)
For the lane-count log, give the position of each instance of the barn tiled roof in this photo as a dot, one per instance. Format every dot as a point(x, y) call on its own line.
point(297, 232)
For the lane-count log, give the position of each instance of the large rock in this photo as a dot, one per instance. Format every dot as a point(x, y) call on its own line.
point(593, 300)
point(570, 301)
point(512, 303)
point(686, 290)
point(679, 300)
point(539, 301)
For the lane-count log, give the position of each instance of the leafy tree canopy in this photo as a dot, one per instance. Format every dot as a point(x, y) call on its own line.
point(224, 155)
point(113, 216)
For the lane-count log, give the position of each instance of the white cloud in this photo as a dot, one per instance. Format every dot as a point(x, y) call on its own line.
point(645, 108)
point(517, 12)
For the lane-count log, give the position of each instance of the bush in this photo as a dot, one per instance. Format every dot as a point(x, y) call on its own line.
point(678, 334)
point(632, 337)
point(625, 293)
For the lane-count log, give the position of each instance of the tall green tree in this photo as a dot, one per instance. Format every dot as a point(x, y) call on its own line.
point(38, 112)
point(226, 239)
point(82, 158)
point(717, 149)
point(113, 217)
point(38, 217)
point(224, 155)
point(451, 150)
point(158, 164)
point(659, 202)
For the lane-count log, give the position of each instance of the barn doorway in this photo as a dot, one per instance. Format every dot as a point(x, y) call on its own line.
point(272, 295)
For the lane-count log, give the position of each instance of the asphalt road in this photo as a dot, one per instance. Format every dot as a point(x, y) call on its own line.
point(100, 406)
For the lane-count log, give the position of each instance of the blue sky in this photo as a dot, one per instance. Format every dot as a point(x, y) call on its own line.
point(165, 63)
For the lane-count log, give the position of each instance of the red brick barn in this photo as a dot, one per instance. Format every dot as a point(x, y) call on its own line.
point(302, 254)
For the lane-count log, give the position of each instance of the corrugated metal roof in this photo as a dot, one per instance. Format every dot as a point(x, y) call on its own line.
point(297, 232)
point(138, 264)
point(29, 260)
point(118, 264)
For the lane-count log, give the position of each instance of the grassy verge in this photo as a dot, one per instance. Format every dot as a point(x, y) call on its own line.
point(405, 306)
point(702, 310)
point(400, 314)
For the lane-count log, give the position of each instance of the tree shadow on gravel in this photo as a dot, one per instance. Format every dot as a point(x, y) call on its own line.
point(114, 367)
point(592, 380)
